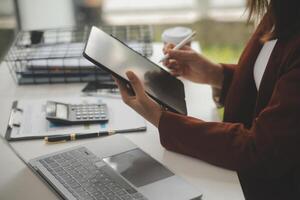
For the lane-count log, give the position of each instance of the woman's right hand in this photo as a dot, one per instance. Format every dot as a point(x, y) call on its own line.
point(192, 66)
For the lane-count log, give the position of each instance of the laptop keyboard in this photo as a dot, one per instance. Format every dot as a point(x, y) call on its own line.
point(87, 177)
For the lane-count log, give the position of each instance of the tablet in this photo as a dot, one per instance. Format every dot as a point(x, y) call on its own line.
point(117, 58)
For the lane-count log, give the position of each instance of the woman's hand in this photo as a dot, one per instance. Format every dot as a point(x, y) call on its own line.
point(140, 102)
point(192, 66)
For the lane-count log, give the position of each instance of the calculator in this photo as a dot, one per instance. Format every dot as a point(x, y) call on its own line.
point(68, 114)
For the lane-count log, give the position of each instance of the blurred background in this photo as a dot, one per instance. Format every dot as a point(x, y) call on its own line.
point(221, 25)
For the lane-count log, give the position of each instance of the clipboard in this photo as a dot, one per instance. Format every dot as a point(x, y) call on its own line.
point(12, 125)
point(27, 119)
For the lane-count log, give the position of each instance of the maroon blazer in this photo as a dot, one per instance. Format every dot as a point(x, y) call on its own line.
point(260, 135)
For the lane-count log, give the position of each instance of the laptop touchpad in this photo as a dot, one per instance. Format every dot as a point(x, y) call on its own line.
point(138, 167)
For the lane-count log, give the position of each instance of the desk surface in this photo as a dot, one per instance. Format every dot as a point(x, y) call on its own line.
point(18, 182)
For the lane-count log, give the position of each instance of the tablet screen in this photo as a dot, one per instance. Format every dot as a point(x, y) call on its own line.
point(117, 58)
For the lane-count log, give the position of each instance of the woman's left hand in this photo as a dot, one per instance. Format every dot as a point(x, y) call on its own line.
point(140, 101)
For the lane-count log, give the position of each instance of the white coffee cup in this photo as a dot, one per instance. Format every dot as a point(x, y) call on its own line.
point(175, 35)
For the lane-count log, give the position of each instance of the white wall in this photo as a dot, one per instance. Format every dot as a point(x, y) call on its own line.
point(228, 3)
point(6, 7)
point(43, 14)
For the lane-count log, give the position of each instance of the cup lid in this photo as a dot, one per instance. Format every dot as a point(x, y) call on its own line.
point(176, 34)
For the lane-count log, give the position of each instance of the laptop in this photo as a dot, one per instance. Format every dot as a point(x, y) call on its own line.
point(112, 168)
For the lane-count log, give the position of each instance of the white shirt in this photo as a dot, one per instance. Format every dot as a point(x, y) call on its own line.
point(262, 61)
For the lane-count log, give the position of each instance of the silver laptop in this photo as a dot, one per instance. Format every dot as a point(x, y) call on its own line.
point(113, 168)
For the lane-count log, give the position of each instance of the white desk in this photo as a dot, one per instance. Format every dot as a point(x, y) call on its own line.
point(18, 182)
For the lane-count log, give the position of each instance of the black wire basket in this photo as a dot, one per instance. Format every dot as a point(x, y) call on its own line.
point(55, 55)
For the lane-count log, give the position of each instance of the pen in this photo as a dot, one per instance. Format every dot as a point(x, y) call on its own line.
point(180, 45)
point(75, 136)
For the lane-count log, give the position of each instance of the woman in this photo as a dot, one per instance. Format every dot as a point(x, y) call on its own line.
point(260, 135)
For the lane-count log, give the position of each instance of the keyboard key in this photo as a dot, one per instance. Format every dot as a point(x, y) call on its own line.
point(95, 193)
point(131, 190)
point(49, 160)
point(61, 173)
point(138, 196)
point(66, 156)
point(121, 192)
point(57, 157)
point(84, 194)
point(127, 197)
point(100, 197)
point(58, 169)
point(114, 198)
point(74, 185)
point(79, 190)
point(110, 185)
point(91, 189)
point(108, 193)
point(116, 188)
point(81, 180)
point(66, 176)
point(103, 189)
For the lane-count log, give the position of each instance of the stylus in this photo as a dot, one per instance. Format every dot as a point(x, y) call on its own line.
point(180, 45)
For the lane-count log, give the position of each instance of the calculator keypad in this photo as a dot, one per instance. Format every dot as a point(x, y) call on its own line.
point(89, 112)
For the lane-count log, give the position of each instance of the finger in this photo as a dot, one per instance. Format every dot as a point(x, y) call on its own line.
point(136, 84)
point(119, 83)
point(166, 62)
point(168, 47)
point(123, 90)
point(182, 55)
point(176, 69)
point(186, 47)
point(175, 73)
point(172, 64)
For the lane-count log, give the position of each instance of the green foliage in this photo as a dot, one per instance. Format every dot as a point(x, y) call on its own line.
point(222, 53)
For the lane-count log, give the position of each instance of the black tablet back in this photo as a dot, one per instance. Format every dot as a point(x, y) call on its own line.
point(117, 58)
